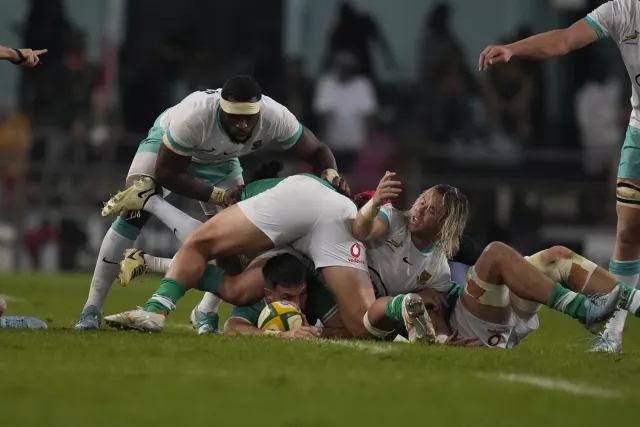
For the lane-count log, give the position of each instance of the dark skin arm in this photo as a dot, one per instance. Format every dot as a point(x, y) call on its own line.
point(319, 156)
point(171, 173)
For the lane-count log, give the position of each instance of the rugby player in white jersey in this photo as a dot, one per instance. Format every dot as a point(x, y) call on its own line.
point(193, 150)
point(620, 21)
point(407, 251)
point(503, 292)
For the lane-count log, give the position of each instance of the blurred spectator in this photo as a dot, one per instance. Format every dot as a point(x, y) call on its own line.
point(37, 238)
point(356, 33)
point(508, 92)
point(15, 142)
point(445, 84)
point(295, 91)
point(438, 45)
point(599, 117)
point(345, 103)
point(534, 71)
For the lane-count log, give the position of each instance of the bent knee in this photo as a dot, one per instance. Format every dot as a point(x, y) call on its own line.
point(554, 254)
point(494, 251)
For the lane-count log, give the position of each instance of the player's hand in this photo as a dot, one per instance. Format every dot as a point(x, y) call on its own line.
point(28, 58)
point(434, 300)
point(232, 195)
point(340, 184)
point(303, 332)
point(387, 189)
point(456, 341)
point(494, 55)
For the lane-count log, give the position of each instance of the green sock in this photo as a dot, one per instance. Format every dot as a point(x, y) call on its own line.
point(166, 297)
point(568, 302)
point(211, 279)
point(394, 308)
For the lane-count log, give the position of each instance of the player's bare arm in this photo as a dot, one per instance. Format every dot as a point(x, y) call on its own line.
point(171, 173)
point(23, 57)
point(238, 326)
point(368, 226)
point(541, 46)
point(320, 157)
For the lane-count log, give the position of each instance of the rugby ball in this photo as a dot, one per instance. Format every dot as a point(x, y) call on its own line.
point(279, 316)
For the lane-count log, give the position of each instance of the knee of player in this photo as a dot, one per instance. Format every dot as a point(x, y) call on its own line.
point(495, 251)
point(554, 254)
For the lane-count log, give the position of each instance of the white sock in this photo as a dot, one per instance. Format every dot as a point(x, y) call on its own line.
point(157, 264)
point(615, 325)
point(209, 304)
point(179, 222)
point(107, 267)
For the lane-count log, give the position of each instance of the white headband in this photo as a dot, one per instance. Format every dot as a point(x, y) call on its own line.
point(243, 108)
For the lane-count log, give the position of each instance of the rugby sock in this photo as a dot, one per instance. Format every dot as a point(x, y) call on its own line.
point(627, 272)
point(119, 237)
point(209, 304)
point(209, 283)
point(568, 302)
point(394, 308)
point(166, 297)
point(179, 222)
point(630, 300)
point(157, 264)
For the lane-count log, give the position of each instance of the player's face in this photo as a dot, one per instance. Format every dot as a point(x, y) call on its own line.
point(239, 126)
point(296, 294)
point(426, 217)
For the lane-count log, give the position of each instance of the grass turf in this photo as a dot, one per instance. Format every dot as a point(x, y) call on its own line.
point(60, 377)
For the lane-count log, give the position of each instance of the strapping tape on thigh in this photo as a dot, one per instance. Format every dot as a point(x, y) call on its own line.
point(486, 293)
point(628, 195)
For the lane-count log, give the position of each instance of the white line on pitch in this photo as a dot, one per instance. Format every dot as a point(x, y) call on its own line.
point(553, 384)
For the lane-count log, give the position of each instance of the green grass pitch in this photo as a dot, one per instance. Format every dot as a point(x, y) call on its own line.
point(60, 377)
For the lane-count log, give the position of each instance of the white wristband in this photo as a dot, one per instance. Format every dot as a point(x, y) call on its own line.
point(331, 175)
point(217, 196)
point(369, 211)
point(271, 333)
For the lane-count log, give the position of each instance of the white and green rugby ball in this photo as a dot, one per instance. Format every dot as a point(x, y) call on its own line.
point(279, 316)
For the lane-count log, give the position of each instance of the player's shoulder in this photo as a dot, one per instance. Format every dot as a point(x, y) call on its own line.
point(208, 99)
point(395, 218)
point(272, 110)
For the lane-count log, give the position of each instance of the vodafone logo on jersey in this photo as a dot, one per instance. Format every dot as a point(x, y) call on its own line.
point(356, 251)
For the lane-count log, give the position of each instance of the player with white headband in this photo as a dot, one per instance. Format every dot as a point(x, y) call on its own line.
point(620, 21)
point(193, 150)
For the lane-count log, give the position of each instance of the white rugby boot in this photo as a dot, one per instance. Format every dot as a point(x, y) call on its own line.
point(138, 320)
point(416, 320)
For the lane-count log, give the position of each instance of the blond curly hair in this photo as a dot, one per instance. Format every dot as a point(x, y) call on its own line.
point(455, 212)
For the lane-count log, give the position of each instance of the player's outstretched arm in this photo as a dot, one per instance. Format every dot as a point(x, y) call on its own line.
point(320, 157)
point(238, 326)
point(368, 226)
point(541, 46)
point(22, 57)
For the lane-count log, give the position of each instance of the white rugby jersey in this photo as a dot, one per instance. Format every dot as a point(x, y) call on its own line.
point(396, 266)
point(193, 128)
point(620, 20)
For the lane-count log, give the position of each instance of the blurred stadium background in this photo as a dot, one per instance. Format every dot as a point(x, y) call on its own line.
point(534, 145)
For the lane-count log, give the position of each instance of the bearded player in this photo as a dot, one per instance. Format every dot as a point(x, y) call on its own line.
point(193, 150)
point(619, 20)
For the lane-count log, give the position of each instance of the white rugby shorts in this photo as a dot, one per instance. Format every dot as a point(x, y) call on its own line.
point(314, 219)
